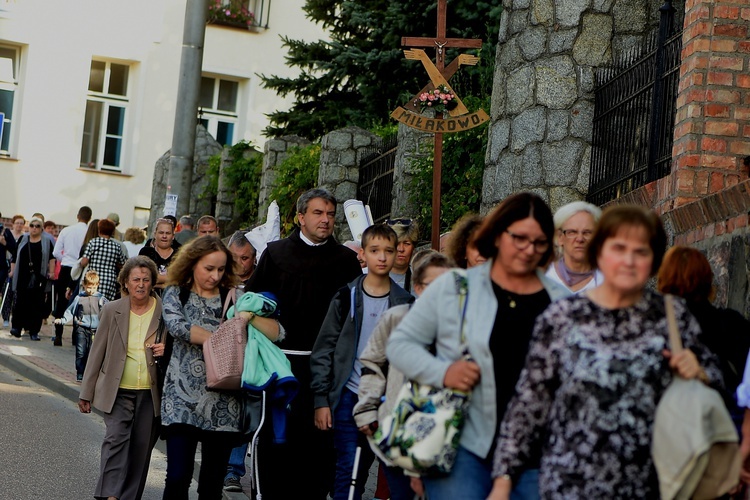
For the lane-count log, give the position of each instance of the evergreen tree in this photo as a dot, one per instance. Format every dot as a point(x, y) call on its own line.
point(360, 75)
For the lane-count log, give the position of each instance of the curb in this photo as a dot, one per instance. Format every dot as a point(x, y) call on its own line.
point(70, 391)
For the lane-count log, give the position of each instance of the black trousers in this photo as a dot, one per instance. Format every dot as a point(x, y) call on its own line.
point(308, 454)
point(61, 303)
point(29, 309)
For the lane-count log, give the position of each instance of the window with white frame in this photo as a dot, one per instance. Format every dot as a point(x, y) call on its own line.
point(218, 108)
point(9, 60)
point(104, 122)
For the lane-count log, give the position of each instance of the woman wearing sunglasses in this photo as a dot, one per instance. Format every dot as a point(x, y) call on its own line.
point(505, 295)
point(30, 268)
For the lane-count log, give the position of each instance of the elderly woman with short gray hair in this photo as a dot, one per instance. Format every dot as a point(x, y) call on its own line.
point(575, 224)
point(121, 380)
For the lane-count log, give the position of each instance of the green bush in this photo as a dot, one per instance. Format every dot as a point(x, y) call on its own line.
point(295, 175)
point(462, 172)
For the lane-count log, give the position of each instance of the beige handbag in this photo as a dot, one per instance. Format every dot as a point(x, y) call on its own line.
point(695, 444)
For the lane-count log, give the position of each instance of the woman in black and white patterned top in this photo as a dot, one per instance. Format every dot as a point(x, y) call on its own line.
point(106, 256)
point(597, 366)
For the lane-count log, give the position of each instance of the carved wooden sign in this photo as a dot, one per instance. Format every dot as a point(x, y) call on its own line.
point(459, 118)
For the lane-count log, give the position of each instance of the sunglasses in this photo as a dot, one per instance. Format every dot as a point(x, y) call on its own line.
point(399, 222)
point(35, 226)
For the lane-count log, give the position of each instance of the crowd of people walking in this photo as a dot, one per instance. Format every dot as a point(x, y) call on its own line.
point(549, 325)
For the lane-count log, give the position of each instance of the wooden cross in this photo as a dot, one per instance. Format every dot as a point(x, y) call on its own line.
point(440, 43)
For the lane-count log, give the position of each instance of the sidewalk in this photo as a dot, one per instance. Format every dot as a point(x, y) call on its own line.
point(54, 368)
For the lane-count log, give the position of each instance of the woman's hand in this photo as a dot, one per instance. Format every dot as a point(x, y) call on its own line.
point(246, 315)
point(501, 487)
point(462, 375)
point(369, 429)
point(84, 406)
point(417, 486)
point(158, 349)
point(323, 418)
point(84, 262)
point(685, 364)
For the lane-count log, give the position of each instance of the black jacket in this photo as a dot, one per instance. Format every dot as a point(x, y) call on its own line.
point(335, 350)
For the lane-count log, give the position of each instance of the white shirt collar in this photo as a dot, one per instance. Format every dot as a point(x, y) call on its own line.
point(308, 241)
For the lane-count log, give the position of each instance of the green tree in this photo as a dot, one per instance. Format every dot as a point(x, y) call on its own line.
point(360, 75)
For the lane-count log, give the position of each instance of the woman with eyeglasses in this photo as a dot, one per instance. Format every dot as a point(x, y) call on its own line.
point(30, 268)
point(162, 251)
point(597, 366)
point(575, 224)
point(505, 296)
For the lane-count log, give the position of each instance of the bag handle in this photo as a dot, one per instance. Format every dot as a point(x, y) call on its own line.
point(675, 341)
point(229, 300)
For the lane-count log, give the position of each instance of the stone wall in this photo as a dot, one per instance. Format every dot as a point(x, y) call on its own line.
point(205, 147)
point(542, 98)
point(412, 144)
point(275, 151)
point(340, 155)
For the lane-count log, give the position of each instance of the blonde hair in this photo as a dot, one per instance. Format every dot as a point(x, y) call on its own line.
point(91, 278)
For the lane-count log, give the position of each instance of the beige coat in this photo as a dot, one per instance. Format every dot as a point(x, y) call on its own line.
point(108, 353)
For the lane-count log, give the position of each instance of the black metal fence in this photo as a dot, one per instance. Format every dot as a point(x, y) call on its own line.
point(634, 110)
point(376, 178)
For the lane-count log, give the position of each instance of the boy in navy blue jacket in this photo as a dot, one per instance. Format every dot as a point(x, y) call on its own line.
point(335, 365)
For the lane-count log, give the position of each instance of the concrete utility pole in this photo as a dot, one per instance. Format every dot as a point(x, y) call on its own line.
point(180, 176)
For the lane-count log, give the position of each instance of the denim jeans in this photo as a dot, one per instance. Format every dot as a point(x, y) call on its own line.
point(346, 440)
point(236, 467)
point(398, 483)
point(83, 346)
point(471, 479)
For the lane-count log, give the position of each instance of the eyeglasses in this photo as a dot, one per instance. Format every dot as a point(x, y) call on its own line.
point(523, 242)
point(35, 226)
point(399, 222)
point(572, 234)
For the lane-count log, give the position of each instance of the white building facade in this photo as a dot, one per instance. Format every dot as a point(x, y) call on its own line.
point(88, 95)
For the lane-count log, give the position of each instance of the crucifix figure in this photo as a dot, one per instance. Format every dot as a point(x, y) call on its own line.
point(439, 75)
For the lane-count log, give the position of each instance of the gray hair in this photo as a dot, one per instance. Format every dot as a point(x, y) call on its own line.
point(239, 239)
point(565, 212)
point(186, 220)
point(304, 200)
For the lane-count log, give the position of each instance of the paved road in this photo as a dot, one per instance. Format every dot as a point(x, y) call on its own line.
point(71, 441)
point(50, 450)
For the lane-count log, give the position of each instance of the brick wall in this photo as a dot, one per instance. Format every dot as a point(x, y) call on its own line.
point(712, 126)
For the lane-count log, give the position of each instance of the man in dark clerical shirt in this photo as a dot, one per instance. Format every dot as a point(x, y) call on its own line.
point(303, 271)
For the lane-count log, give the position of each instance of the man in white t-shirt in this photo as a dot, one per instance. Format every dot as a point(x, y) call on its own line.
point(66, 251)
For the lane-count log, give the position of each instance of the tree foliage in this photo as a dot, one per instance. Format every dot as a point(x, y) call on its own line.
point(360, 75)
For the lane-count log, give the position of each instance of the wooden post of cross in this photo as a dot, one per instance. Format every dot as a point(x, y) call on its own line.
point(440, 43)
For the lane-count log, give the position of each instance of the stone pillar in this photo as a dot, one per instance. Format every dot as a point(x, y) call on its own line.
point(224, 196)
point(712, 125)
point(205, 147)
point(412, 144)
point(542, 98)
point(275, 151)
point(340, 154)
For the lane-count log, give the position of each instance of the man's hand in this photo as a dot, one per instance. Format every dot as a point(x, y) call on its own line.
point(323, 418)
